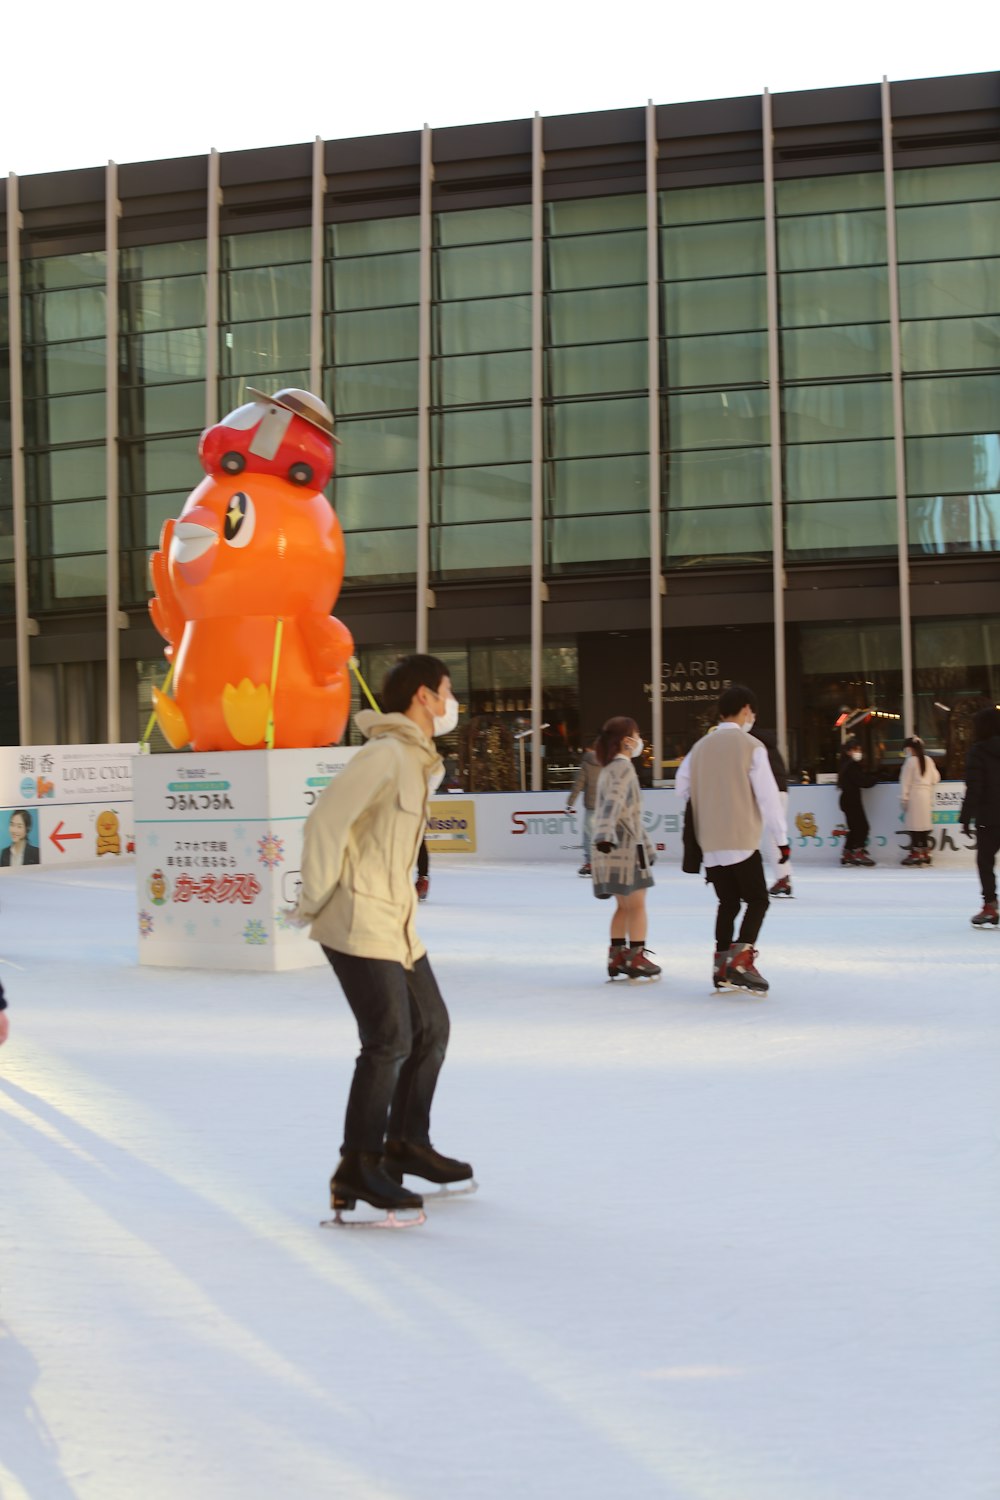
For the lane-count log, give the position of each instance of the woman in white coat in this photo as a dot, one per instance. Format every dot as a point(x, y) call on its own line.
point(917, 781)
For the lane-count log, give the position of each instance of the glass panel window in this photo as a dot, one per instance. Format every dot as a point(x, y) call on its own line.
point(578, 486)
point(376, 281)
point(78, 528)
point(952, 344)
point(75, 473)
point(483, 271)
point(171, 464)
point(70, 367)
point(489, 548)
point(166, 357)
point(147, 262)
point(584, 370)
point(736, 303)
point(591, 215)
point(495, 435)
point(845, 349)
point(382, 556)
point(155, 510)
point(477, 226)
point(596, 260)
point(373, 501)
point(940, 184)
point(950, 465)
point(389, 333)
point(69, 419)
point(259, 348)
point(78, 314)
point(175, 303)
point(839, 471)
point(583, 427)
point(952, 403)
point(815, 413)
point(699, 250)
point(80, 577)
point(602, 316)
point(861, 528)
point(86, 269)
point(958, 230)
point(173, 408)
point(940, 524)
point(266, 292)
point(498, 493)
point(374, 236)
point(816, 195)
point(697, 480)
point(620, 538)
point(482, 327)
point(848, 296)
point(722, 359)
point(718, 419)
point(268, 247)
point(482, 378)
point(707, 205)
point(949, 289)
point(377, 445)
point(707, 536)
point(389, 387)
point(856, 239)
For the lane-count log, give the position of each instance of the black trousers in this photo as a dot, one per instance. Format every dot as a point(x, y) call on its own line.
point(403, 1025)
point(735, 884)
point(987, 846)
point(423, 860)
point(857, 822)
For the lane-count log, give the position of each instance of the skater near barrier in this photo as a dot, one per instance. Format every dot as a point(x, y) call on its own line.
point(917, 781)
point(771, 854)
point(423, 881)
point(981, 806)
point(586, 782)
point(4, 1023)
point(734, 801)
point(622, 854)
point(360, 844)
point(852, 780)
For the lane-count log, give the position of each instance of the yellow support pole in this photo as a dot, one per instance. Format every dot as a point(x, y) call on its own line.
point(269, 733)
point(152, 718)
point(355, 668)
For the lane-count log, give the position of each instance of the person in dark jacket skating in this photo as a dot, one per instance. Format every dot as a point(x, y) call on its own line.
point(770, 852)
point(586, 782)
point(981, 805)
point(853, 779)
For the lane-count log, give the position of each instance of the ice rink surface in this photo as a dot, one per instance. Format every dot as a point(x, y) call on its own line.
point(723, 1249)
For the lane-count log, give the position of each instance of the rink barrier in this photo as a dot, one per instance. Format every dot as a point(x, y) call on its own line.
point(78, 798)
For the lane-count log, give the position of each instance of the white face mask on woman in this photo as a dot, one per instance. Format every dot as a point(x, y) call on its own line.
point(639, 746)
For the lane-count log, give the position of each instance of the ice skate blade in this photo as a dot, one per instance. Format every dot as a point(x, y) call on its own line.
point(391, 1221)
point(460, 1189)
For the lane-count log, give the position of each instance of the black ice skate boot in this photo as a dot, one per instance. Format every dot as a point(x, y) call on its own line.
point(781, 887)
point(361, 1175)
point(862, 857)
point(988, 917)
point(914, 858)
point(618, 960)
point(422, 1161)
point(720, 970)
point(741, 971)
point(638, 966)
point(849, 857)
point(584, 869)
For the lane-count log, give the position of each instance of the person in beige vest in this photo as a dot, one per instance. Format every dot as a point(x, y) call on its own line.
point(359, 846)
point(734, 799)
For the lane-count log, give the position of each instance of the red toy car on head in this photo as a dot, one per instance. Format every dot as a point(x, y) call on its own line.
point(289, 434)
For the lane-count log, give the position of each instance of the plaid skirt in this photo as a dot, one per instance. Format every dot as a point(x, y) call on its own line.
point(620, 873)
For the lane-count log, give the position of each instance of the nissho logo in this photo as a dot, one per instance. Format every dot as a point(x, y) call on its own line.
point(440, 825)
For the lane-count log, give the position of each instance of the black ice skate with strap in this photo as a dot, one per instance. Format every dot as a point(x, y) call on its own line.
point(360, 1175)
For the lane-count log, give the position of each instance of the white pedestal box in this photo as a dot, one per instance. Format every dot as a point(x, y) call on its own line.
point(218, 848)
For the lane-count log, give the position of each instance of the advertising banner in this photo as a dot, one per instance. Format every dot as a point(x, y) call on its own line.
point(218, 848)
point(65, 805)
point(451, 825)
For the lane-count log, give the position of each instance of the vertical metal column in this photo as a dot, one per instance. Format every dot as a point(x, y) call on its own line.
point(653, 377)
point(898, 430)
point(112, 211)
point(19, 517)
point(424, 596)
point(537, 449)
point(316, 271)
point(774, 407)
point(212, 290)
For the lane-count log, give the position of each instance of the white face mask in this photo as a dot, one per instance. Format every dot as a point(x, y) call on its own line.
point(855, 754)
point(638, 747)
point(748, 724)
point(445, 723)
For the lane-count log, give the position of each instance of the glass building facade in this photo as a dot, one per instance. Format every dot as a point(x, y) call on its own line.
point(631, 404)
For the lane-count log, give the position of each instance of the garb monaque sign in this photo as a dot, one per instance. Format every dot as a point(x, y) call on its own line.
point(689, 682)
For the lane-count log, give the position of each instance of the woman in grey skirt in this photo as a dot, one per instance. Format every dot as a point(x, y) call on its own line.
point(622, 854)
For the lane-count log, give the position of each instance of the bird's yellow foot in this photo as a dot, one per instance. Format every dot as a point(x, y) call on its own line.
point(171, 720)
point(245, 710)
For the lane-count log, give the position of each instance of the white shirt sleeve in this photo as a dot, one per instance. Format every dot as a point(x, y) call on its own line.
point(682, 781)
point(765, 789)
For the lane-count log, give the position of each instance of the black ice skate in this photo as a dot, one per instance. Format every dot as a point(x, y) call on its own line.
point(720, 968)
point(988, 917)
point(914, 858)
point(741, 972)
point(361, 1175)
point(584, 869)
point(425, 1162)
point(862, 857)
point(423, 886)
point(781, 887)
point(639, 966)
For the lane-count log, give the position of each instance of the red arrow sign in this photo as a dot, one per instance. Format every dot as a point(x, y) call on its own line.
point(59, 838)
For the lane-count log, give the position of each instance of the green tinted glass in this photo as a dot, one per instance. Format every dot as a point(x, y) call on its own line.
point(500, 492)
point(478, 226)
point(583, 370)
point(78, 528)
point(483, 271)
point(947, 231)
point(732, 358)
point(270, 247)
point(69, 419)
point(718, 419)
point(595, 540)
point(266, 292)
point(592, 215)
point(166, 357)
point(474, 327)
point(845, 349)
point(147, 262)
point(377, 281)
point(381, 556)
point(721, 306)
point(75, 473)
point(372, 501)
point(738, 476)
point(177, 302)
point(821, 297)
point(360, 337)
point(818, 195)
point(821, 240)
point(259, 348)
point(707, 205)
point(953, 465)
point(955, 523)
point(952, 344)
point(821, 413)
point(856, 528)
point(945, 184)
point(598, 316)
point(70, 315)
point(373, 236)
point(497, 435)
point(947, 289)
point(956, 403)
point(171, 464)
point(376, 445)
point(80, 577)
point(577, 486)
point(594, 427)
point(87, 269)
point(389, 387)
point(597, 260)
point(839, 471)
point(704, 537)
point(482, 378)
point(500, 547)
point(712, 250)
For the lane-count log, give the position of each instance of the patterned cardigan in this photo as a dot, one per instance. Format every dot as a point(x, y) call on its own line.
point(618, 821)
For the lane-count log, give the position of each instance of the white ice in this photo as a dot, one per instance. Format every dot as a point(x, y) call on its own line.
point(723, 1249)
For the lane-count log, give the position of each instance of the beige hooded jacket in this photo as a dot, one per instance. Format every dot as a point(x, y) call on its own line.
point(361, 840)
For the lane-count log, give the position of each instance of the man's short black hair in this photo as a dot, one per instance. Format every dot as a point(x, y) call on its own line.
point(403, 681)
point(734, 699)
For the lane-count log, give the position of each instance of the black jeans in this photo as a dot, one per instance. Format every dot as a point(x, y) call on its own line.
point(987, 845)
point(403, 1025)
point(856, 820)
point(733, 885)
point(423, 860)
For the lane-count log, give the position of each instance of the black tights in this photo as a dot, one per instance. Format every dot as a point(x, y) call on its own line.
point(735, 884)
